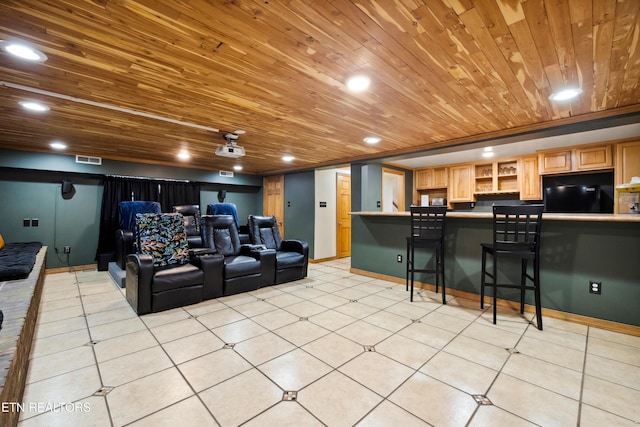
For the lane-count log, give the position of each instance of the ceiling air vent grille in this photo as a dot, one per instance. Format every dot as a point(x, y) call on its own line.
point(88, 160)
point(227, 174)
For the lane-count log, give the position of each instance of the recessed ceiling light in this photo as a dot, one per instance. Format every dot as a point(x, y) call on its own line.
point(486, 149)
point(288, 158)
point(237, 168)
point(24, 51)
point(488, 154)
point(184, 155)
point(358, 83)
point(34, 106)
point(372, 139)
point(565, 94)
point(58, 145)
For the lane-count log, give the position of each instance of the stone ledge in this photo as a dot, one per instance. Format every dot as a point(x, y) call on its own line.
point(19, 301)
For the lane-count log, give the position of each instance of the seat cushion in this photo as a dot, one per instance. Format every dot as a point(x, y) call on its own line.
point(289, 259)
point(223, 241)
point(17, 260)
point(238, 266)
point(192, 225)
point(176, 277)
point(268, 238)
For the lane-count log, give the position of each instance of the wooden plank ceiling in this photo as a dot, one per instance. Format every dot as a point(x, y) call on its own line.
point(443, 72)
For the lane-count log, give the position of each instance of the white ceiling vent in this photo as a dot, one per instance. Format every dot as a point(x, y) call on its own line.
point(227, 174)
point(88, 160)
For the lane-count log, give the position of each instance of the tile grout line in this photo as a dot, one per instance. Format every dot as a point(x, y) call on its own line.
point(326, 309)
point(93, 350)
point(584, 370)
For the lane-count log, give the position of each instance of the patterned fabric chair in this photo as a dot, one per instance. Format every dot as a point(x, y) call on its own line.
point(127, 222)
point(292, 256)
point(163, 274)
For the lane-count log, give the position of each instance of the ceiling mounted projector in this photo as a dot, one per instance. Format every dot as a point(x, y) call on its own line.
point(230, 149)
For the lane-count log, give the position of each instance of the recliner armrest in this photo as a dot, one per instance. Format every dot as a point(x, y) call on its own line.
point(293, 245)
point(301, 247)
point(267, 259)
point(139, 276)
point(212, 265)
point(123, 246)
point(253, 250)
point(194, 253)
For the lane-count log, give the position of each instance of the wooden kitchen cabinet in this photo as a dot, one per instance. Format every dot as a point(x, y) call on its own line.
point(440, 178)
point(461, 183)
point(529, 181)
point(432, 178)
point(627, 166)
point(422, 179)
point(554, 162)
point(575, 159)
point(591, 158)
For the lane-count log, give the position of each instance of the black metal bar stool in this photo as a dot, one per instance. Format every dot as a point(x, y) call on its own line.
point(516, 234)
point(427, 231)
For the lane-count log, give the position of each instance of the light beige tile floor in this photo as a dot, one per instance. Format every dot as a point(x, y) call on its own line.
point(334, 349)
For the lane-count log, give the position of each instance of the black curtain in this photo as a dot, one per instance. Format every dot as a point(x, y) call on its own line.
point(118, 189)
point(178, 193)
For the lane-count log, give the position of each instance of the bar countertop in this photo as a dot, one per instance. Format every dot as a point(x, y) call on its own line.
point(547, 216)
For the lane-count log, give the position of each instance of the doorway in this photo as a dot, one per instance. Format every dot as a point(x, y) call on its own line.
point(343, 219)
point(392, 190)
point(273, 199)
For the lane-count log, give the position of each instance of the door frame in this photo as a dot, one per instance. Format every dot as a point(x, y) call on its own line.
point(338, 234)
point(265, 205)
point(401, 189)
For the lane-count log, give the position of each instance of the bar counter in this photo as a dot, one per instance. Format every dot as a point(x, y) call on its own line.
point(546, 216)
point(575, 249)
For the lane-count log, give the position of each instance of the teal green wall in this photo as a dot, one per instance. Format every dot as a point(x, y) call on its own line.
point(371, 187)
point(299, 212)
point(248, 201)
point(27, 161)
point(29, 190)
point(356, 183)
point(366, 186)
point(73, 222)
point(573, 252)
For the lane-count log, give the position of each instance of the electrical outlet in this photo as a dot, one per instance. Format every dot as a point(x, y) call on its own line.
point(399, 258)
point(67, 249)
point(595, 287)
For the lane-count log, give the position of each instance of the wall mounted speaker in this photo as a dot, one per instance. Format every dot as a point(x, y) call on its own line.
point(67, 189)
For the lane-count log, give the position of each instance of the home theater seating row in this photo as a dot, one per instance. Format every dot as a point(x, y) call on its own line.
point(165, 271)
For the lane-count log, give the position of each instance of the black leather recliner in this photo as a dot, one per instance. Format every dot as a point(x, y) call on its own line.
point(292, 256)
point(230, 209)
point(165, 274)
point(191, 215)
point(246, 267)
